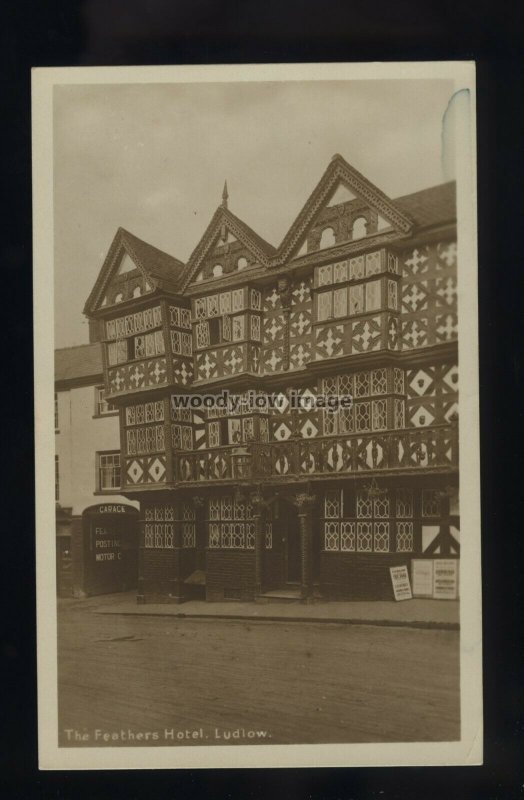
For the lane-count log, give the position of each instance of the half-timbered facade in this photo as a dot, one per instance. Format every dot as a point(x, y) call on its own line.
point(358, 301)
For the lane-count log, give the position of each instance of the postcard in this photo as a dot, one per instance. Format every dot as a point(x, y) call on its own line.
point(258, 492)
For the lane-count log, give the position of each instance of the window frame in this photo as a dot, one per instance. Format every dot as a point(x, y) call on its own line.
point(111, 412)
point(101, 489)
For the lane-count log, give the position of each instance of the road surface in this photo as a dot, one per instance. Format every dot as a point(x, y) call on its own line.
point(191, 681)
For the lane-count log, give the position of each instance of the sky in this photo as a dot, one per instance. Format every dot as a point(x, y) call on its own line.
point(152, 158)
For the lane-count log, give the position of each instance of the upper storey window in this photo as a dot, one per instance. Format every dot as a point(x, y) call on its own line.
point(359, 228)
point(356, 286)
point(327, 238)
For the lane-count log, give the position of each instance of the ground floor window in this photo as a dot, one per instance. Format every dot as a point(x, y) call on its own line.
point(368, 522)
point(231, 524)
point(160, 521)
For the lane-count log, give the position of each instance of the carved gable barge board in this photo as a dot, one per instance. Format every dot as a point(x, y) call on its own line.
point(160, 269)
point(340, 172)
point(259, 248)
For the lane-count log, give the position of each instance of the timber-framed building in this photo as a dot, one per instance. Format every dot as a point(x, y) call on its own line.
point(358, 300)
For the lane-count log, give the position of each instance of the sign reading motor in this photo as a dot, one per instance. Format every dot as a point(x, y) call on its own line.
point(107, 548)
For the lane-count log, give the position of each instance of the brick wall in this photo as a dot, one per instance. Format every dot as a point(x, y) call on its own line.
point(230, 575)
point(359, 576)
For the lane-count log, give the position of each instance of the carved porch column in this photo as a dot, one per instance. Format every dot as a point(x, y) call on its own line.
point(259, 508)
point(261, 505)
point(305, 503)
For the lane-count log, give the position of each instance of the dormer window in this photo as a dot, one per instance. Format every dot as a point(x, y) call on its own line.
point(327, 238)
point(359, 228)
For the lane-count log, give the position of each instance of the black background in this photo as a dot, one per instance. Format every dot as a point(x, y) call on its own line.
point(113, 32)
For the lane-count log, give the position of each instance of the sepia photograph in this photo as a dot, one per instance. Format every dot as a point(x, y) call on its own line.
point(255, 328)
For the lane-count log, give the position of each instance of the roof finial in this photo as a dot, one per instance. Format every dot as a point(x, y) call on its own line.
point(225, 196)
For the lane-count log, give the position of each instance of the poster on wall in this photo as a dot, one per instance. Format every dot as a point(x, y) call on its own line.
point(422, 577)
point(445, 579)
point(400, 582)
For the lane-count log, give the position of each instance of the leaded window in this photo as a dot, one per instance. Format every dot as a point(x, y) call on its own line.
point(131, 442)
point(332, 504)
point(185, 318)
point(255, 299)
point(324, 304)
point(356, 299)
point(356, 268)
point(340, 272)
point(430, 504)
point(340, 302)
point(255, 327)
point(362, 384)
point(188, 534)
point(399, 412)
point(392, 295)
point(364, 506)
point(362, 416)
point(214, 508)
point(381, 506)
point(212, 306)
point(174, 316)
point(379, 381)
point(225, 303)
point(379, 408)
point(398, 380)
point(148, 535)
point(269, 535)
point(331, 535)
point(176, 342)
point(364, 537)
point(330, 422)
point(325, 275)
point(213, 434)
point(214, 535)
point(381, 537)
point(226, 507)
point(404, 538)
point(347, 535)
point(372, 296)
point(404, 502)
point(373, 263)
point(239, 327)
point(202, 334)
point(237, 298)
point(200, 308)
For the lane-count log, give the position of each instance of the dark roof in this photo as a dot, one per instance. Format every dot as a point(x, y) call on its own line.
point(154, 261)
point(78, 363)
point(432, 206)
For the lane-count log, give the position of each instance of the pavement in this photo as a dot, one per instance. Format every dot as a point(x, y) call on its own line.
point(416, 613)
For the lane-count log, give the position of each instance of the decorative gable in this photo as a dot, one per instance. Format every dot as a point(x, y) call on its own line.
point(226, 255)
point(227, 246)
point(343, 207)
point(132, 268)
point(125, 280)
